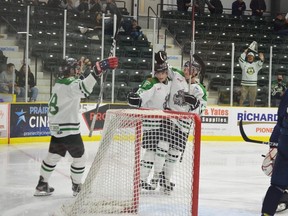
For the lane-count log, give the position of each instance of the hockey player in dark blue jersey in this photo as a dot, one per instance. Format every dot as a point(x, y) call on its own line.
point(276, 194)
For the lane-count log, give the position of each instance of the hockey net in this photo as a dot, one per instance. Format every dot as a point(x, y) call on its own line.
point(112, 185)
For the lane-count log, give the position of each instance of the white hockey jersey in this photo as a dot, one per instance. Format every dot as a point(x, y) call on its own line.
point(199, 91)
point(176, 101)
point(154, 94)
point(249, 71)
point(64, 104)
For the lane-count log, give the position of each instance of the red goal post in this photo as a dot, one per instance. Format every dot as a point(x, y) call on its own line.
point(112, 185)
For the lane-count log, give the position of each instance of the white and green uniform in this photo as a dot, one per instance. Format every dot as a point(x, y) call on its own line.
point(64, 104)
point(249, 71)
point(179, 87)
point(199, 91)
point(154, 94)
point(172, 145)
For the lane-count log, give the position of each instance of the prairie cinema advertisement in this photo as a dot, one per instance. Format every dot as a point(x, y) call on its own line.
point(29, 120)
point(218, 123)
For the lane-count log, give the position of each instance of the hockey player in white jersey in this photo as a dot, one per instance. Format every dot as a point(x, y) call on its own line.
point(153, 94)
point(64, 123)
point(195, 101)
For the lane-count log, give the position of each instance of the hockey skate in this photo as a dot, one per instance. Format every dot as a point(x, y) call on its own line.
point(146, 186)
point(283, 203)
point(75, 188)
point(165, 184)
point(154, 181)
point(281, 207)
point(43, 189)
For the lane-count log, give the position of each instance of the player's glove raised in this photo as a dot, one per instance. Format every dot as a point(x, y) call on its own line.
point(191, 100)
point(134, 99)
point(100, 67)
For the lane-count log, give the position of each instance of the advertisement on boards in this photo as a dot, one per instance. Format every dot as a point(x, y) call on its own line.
point(29, 120)
point(88, 111)
point(224, 121)
point(4, 120)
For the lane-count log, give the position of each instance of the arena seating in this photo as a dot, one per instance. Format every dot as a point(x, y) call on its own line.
point(214, 36)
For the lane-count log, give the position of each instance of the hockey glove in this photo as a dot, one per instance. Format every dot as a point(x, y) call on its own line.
point(102, 66)
point(191, 100)
point(268, 162)
point(134, 100)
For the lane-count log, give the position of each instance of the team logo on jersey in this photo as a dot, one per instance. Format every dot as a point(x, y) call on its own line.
point(250, 71)
point(178, 98)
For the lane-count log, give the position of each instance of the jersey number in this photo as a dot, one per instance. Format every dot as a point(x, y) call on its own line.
point(53, 108)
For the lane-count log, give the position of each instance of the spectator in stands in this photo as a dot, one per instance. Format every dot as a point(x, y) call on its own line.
point(135, 31)
point(68, 5)
point(83, 7)
point(216, 7)
point(238, 7)
point(3, 61)
point(20, 80)
point(111, 9)
point(183, 5)
point(250, 69)
point(200, 6)
point(94, 32)
point(281, 24)
point(278, 88)
point(257, 7)
point(7, 80)
point(95, 6)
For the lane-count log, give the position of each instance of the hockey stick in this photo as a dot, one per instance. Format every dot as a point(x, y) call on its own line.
point(247, 139)
point(103, 83)
point(203, 67)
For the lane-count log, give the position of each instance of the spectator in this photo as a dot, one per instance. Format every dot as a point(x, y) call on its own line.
point(257, 7)
point(281, 24)
point(200, 6)
point(21, 82)
point(183, 5)
point(250, 70)
point(7, 80)
point(3, 61)
point(277, 90)
point(111, 9)
point(83, 7)
point(238, 7)
point(215, 7)
point(95, 6)
point(93, 32)
point(69, 6)
point(134, 30)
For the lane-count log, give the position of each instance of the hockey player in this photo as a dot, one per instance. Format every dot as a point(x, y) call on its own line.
point(276, 193)
point(64, 123)
point(153, 94)
point(168, 151)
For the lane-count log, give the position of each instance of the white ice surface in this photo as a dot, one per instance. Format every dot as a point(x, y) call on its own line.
point(231, 180)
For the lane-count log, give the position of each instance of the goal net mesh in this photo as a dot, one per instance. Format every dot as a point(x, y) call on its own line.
point(112, 186)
